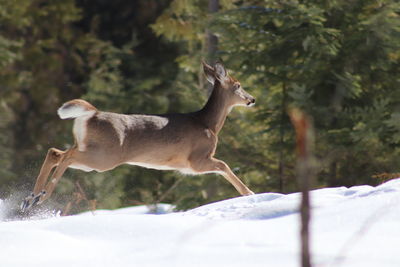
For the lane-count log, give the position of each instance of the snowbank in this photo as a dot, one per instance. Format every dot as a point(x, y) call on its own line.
point(356, 226)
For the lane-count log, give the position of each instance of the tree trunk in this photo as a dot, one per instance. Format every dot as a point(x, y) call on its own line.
point(212, 40)
point(281, 139)
point(305, 174)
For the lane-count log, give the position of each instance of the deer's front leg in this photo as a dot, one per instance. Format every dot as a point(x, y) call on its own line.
point(218, 166)
point(53, 158)
point(232, 178)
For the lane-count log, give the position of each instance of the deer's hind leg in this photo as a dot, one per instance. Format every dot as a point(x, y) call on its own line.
point(53, 159)
point(65, 160)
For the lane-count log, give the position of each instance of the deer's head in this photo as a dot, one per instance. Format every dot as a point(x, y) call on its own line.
point(232, 89)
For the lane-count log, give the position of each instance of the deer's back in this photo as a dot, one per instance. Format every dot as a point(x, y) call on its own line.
point(147, 138)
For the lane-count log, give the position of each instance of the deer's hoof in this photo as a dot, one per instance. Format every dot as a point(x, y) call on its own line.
point(31, 200)
point(249, 193)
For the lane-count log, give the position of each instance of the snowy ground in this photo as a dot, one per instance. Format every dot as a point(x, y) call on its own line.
point(358, 226)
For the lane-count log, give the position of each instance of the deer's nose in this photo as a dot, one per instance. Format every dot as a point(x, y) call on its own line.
point(252, 102)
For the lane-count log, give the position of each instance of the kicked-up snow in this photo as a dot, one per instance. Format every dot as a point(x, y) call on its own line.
point(357, 226)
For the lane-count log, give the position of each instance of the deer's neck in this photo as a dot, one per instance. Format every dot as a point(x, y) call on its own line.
point(214, 113)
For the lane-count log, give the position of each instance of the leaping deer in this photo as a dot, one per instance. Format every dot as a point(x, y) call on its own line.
point(184, 142)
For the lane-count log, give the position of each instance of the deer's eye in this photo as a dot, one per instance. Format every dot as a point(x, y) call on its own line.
point(236, 86)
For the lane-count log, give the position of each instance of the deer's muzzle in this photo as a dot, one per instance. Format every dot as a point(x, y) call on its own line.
point(251, 101)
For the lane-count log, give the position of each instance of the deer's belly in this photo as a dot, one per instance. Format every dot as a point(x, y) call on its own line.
point(163, 167)
point(81, 167)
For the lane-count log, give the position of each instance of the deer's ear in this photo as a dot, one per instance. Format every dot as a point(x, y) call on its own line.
point(220, 72)
point(209, 72)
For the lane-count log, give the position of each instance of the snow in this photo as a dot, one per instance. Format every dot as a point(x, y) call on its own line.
point(357, 226)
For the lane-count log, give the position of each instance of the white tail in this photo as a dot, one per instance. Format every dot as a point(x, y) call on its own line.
point(184, 142)
point(75, 109)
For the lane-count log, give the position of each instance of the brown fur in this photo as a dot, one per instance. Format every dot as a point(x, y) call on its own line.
point(183, 142)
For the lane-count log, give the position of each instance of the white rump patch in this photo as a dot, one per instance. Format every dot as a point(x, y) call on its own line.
point(80, 129)
point(73, 111)
point(81, 114)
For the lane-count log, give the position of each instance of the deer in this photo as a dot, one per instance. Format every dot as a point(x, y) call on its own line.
point(185, 142)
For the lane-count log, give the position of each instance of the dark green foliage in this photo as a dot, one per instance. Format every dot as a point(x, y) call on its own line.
point(337, 60)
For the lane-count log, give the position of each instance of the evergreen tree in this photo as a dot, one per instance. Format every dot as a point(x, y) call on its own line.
point(336, 60)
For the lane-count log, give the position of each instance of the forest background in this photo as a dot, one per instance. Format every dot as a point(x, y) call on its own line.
point(337, 60)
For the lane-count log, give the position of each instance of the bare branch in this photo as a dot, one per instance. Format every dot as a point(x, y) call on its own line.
point(305, 172)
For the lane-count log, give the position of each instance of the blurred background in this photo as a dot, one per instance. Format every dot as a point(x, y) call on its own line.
point(337, 60)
